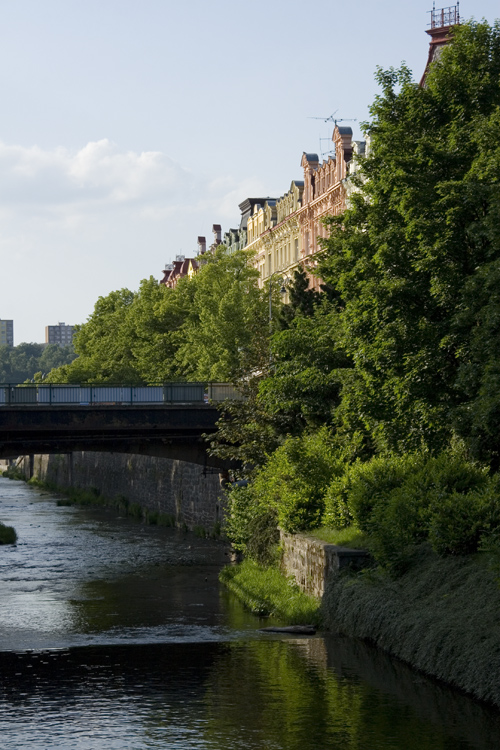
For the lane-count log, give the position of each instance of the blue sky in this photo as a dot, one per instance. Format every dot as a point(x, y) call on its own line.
point(129, 128)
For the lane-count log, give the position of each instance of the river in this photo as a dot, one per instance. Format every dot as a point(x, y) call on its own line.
point(115, 635)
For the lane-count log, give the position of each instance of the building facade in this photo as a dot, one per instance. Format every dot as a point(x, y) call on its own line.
point(283, 233)
point(6, 333)
point(61, 334)
point(273, 234)
point(286, 232)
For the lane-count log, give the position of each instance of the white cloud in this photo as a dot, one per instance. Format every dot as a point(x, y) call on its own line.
point(75, 225)
point(98, 172)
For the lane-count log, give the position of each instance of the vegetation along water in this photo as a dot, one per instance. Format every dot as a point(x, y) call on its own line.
point(118, 634)
point(372, 408)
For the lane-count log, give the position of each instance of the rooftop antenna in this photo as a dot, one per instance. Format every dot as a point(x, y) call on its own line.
point(334, 119)
point(325, 119)
point(343, 119)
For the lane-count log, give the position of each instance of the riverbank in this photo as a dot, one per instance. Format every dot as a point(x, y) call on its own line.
point(442, 617)
point(267, 592)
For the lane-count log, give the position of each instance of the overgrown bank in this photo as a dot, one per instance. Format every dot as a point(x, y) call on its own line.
point(267, 592)
point(440, 616)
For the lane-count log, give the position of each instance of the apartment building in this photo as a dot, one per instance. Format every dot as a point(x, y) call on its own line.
point(6, 332)
point(61, 334)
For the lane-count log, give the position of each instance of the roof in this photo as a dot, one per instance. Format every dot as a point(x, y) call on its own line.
point(344, 131)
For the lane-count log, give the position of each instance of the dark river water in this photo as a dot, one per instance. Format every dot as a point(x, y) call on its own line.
point(115, 635)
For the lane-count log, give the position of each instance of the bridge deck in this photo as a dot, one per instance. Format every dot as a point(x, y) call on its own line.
point(174, 431)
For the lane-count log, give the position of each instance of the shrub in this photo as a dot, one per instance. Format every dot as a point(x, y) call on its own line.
point(7, 534)
point(250, 525)
point(295, 479)
point(404, 501)
point(264, 537)
point(370, 484)
point(461, 520)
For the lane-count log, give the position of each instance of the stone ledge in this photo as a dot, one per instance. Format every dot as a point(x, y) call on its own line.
point(311, 560)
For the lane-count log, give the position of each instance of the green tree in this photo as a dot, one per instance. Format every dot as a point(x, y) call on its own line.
point(201, 330)
point(302, 300)
point(410, 253)
point(303, 387)
point(227, 311)
point(103, 345)
point(28, 361)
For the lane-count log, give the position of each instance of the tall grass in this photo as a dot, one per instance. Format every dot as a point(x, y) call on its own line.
point(266, 591)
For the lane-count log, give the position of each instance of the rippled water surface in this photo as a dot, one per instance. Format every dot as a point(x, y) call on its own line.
point(114, 634)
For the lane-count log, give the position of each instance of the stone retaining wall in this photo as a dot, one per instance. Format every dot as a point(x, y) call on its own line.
point(176, 488)
point(310, 561)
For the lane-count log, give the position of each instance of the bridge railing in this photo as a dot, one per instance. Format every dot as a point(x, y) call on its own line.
point(54, 394)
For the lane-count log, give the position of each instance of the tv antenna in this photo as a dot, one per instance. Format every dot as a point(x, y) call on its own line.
point(333, 119)
point(328, 152)
point(325, 119)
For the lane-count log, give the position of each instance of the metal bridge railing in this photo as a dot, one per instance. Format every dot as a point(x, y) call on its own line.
point(53, 394)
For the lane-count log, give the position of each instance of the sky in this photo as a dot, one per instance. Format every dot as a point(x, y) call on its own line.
point(128, 128)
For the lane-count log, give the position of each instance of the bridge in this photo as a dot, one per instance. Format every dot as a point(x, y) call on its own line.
point(166, 421)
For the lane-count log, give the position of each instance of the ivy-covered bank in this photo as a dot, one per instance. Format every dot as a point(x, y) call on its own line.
point(441, 617)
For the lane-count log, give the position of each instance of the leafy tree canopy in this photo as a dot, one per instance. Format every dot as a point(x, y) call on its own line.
point(415, 256)
point(23, 362)
point(201, 330)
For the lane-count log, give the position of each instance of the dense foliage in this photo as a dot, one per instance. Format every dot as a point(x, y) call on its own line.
point(201, 330)
point(415, 256)
point(23, 362)
point(400, 361)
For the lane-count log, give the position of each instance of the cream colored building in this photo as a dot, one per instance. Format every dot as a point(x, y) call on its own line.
point(286, 232)
point(324, 195)
point(273, 234)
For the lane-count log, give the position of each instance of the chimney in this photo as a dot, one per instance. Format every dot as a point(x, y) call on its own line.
point(217, 230)
point(202, 245)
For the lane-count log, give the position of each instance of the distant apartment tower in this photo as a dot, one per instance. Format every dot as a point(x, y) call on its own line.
point(6, 333)
point(60, 334)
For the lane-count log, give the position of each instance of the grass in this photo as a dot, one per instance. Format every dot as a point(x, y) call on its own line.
point(266, 591)
point(7, 534)
point(350, 536)
point(442, 616)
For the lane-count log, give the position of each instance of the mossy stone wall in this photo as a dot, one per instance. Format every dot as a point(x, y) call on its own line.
point(311, 561)
point(176, 488)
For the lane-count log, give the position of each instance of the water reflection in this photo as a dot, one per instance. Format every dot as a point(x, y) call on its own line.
point(116, 635)
point(285, 695)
